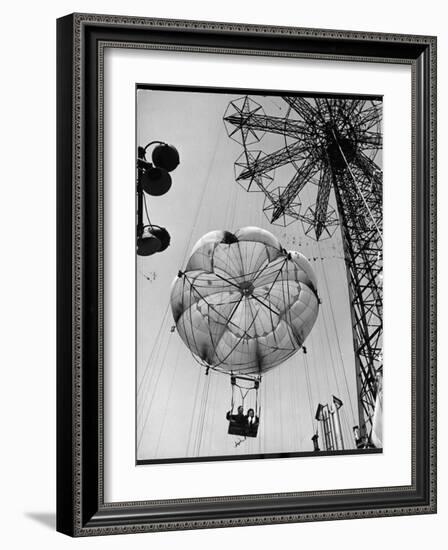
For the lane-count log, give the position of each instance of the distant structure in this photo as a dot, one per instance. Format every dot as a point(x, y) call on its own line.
point(331, 143)
point(328, 416)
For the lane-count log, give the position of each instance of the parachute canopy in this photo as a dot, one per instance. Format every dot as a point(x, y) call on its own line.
point(244, 304)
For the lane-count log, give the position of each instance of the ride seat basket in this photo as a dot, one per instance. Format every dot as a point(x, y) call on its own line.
point(243, 430)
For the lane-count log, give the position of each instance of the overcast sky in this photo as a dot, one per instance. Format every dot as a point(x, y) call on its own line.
point(180, 411)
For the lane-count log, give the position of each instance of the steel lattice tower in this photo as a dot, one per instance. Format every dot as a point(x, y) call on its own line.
point(332, 143)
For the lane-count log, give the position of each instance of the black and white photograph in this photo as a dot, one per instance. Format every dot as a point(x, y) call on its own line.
point(258, 274)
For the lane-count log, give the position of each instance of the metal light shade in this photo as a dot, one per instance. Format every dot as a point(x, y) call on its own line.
point(162, 235)
point(148, 244)
point(165, 156)
point(156, 181)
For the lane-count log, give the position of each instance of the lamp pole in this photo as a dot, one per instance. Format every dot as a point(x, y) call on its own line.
point(153, 178)
point(140, 226)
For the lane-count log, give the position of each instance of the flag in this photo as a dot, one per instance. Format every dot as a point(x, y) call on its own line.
point(337, 402)
point(319, 412)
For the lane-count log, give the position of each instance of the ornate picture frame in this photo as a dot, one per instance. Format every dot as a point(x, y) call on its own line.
point(81, 506)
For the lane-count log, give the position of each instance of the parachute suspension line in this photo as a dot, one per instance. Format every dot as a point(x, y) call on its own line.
point(298, 400)
point(290, 391)
point(201, 201)
point(146, 381)
point(211, 416)
point(156, 378)
point(273, 103)
point(315, 379)
point(358, 188)
point(279, 393)
point(293, 434)
point(293, 388)
point(324, 367)
point(326, 349)
point(348, 437)
point(291, 336)
point(168, 398)
point(334, 324)
point(150, 385)
point(193, 414)
point(257, 410)
point(244, 391)
point(199, 418)
point(308, 387)
point(192, 290)
point(156, 343)
point(263, 424)
point(243, 394)
point(300, 375)
point(233, 202)
point(151, 403)
point(327, 337)
point(202, 415)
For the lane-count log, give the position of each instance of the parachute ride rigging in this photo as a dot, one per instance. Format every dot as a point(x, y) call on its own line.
point(244, 305)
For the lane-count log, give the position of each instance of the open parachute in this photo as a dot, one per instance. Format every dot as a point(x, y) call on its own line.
point(243, 304)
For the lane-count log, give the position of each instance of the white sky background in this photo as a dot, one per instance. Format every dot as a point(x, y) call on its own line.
point(180, 411)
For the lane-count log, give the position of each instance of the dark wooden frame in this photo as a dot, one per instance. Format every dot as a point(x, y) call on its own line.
point(81, 39)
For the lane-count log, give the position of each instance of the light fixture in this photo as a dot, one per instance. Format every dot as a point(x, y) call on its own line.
point(153, 179)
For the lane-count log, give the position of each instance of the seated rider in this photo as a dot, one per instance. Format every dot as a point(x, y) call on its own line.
point(250, 418)
point(239, 418)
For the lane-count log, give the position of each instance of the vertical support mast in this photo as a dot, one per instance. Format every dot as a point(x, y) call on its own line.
point(363, 256)
point(337, 404)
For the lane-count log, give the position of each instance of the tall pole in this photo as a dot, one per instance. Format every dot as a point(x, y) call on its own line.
point(140, 225)
point(329, 428)
point(333, 428)
point(338, 428)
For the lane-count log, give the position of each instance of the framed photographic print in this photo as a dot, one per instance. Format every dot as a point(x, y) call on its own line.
point(246, 274)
